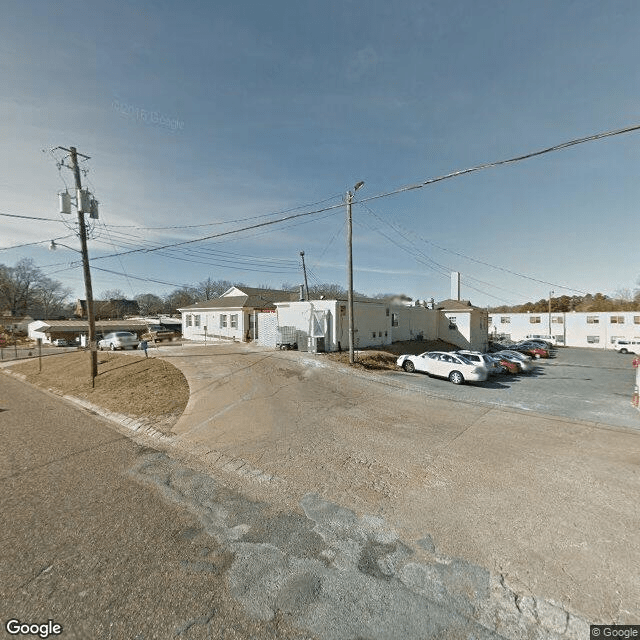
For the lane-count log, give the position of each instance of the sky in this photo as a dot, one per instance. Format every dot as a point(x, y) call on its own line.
point(202, 120)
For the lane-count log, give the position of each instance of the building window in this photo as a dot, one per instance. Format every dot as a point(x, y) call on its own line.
point(188, 321)
point(196, 321)
point(385, 334)
point(505, 320)
point(490, 319)
point(223, 321)
point(557, 320)
point(453, 320)
point(636, 319)
point(617, 319)
point(234, 321)
point(593, 339)
point(534, 319)
point(593, 320)
point(394, 319)
point(387, 312)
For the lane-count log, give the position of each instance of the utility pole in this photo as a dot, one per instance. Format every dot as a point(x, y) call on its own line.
point(306, 285)
point(349, 199)
point(550, 294)
point(93, 347)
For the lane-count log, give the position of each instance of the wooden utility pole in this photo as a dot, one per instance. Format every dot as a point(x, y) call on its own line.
point(306, 285)
point(350, 270)
point(93, 347)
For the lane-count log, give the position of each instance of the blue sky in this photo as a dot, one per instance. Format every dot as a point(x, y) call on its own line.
point(229, 114)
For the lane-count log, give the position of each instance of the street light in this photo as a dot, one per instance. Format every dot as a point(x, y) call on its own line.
point(349, 198)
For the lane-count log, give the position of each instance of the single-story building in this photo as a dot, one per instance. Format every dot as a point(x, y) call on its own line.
point(323, 325)
point(50, 330)
point(232, 316)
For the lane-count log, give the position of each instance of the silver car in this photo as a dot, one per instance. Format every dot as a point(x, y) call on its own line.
point(444, 365)
point(119, 340)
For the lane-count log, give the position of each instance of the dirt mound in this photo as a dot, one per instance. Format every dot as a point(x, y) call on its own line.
point(132, 385)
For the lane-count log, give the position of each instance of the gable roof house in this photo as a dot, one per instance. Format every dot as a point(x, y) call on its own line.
point(232, 316)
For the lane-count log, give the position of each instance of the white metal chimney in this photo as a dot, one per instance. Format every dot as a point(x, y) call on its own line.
point(455, 285)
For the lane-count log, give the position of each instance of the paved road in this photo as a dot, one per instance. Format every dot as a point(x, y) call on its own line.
point(581, 384)
point(114, 540)
point(88, 541)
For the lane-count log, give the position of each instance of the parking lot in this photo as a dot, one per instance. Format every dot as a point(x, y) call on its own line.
point(583, 384)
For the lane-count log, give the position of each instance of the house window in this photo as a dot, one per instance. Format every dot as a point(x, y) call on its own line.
point(617, 319)
point(593, 320)
point(394, 319)
point(379, 334)
point(234, 321)
point(453, 320)
point(505, 320)
point(196, 321)
point(223, 321)
point(636, 319)
point(593, 339)
point(387, 312)
point(534, 319)
point(557, 320)
point(188, 321)
point(385, 334)
point(374, 334)
point(490, 319)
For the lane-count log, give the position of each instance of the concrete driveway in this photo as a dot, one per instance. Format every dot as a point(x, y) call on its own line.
point(541, 503)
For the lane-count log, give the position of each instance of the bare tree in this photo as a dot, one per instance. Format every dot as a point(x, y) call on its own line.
point(182, 297)
point(113, 294)
point(19, 286)
point(150, 304)
point(51, 298)
point(209, 289)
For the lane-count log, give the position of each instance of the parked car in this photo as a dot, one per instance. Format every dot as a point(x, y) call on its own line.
point(119, 340)
point(522, 360)
point(546, 339)
point(158, 333)
point(60, 342)
point(533, 349)
point(627, 345)
point(508, 364)
point(482, 359)
point(444, 365)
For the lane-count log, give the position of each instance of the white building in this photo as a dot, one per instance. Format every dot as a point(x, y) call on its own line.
point(232, 316)
point(597, 329)
point(323, 325)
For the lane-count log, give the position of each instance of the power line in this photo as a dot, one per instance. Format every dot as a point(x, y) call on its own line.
point(489, 165)
point(14, 215)
point(430, 181)
point(29, 244)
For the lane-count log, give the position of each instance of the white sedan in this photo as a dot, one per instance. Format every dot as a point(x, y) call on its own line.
point(444, 365)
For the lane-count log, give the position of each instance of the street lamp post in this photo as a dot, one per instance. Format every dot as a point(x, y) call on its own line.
point(349, 199)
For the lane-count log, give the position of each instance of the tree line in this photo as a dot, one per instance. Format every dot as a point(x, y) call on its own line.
point(26, 290)
point(622, 300)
